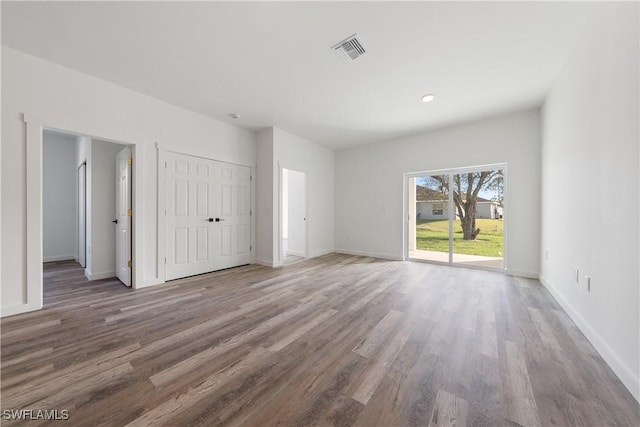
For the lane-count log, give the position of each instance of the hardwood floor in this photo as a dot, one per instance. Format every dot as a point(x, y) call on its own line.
point(337, 340)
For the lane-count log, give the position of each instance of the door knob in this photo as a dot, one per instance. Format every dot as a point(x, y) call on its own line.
point(115, 221)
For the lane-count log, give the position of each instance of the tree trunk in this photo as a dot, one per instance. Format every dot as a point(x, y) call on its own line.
point(468, 221)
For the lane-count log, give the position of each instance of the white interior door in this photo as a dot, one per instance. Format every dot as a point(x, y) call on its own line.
point(284, 223)
point(82, 215)
point(297, 213)
point(123, 216)
point(189, 215)
point(232, 229)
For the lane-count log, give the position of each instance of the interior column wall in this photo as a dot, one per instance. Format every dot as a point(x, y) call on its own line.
point(266, 200)
point(295, 153)
point(279, 149)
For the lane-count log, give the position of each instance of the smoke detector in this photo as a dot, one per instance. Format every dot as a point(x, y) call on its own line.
point(349, 48)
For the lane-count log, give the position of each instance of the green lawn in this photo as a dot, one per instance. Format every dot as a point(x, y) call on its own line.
point(434, 236)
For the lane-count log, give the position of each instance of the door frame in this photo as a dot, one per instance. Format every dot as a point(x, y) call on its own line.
point(82, 212)
point(118, 214)
point(35, 125)
point(280, 258)
point(407, 219)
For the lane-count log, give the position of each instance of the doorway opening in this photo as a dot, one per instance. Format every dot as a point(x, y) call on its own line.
point(36, 125)
point(293, 227)
point(457, 216)
point(102, 244)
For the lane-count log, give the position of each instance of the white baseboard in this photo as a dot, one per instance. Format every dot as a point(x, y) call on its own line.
point(148, 283)
point(265, 263)
point(321, 253)
point(519, 273)
point(98, 276)
point(58, 258)
point(369, 254)
point(610, 357)
point(295, 253)
point(19, 309)
point(274, 264)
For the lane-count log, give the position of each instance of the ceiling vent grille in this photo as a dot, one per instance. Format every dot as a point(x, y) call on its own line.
point(349, 49)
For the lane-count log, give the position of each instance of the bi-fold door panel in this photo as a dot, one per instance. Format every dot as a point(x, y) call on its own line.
point(189, 205)
point(232, 234)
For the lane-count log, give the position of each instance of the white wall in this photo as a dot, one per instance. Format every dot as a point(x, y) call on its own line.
point(590, 218)
point(34, 86)
point(59, 197)
point(279, 149)
point(266, 200)
point(369, 184)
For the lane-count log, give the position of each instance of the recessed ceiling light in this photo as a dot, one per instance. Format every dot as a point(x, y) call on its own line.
point(428, 97)
point(234, 116)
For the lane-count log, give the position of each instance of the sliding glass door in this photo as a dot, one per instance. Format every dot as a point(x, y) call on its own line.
point(457, 216)
point(431, 218)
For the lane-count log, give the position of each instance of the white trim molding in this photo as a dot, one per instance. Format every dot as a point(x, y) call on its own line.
point(370, 254)
point(161, 265)
point(100, 276)
point(267, 263)
point(519, 273)
point(60, 258)
point(321, 253)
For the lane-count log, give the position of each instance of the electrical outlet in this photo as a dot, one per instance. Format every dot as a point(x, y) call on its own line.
point(588, 279)
point(577, 276)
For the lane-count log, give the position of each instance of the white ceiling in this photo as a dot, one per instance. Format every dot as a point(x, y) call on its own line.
point(271, 62)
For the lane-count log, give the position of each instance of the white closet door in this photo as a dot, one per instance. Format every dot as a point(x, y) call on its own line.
point(232, 232)
point(189, 216)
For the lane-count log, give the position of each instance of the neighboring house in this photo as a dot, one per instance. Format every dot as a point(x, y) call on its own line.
point(431, 204)
point(432, 209)
point(488, 209)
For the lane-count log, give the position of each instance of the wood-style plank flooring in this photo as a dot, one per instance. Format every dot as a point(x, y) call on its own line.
point(337, 340)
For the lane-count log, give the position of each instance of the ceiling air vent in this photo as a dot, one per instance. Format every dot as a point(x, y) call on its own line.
point(349, 49)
